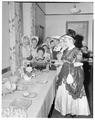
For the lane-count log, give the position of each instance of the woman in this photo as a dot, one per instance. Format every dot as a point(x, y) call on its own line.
point(25, 49)
point(40, 62)
point(47, 52)
point(34, 42)
point(71, 98)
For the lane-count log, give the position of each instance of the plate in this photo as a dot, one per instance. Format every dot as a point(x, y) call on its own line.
point(21, 87)
point(21, 103)
point(25, 94)
point(27, 83)
point(31, 95)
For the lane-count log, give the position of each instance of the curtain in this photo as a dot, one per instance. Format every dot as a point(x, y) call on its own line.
point(15, 33)
point(17, 26)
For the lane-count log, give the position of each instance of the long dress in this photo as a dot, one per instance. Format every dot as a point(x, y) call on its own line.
point(71, 97)
point(34, 52)
point(39, 63)
point(25, 54)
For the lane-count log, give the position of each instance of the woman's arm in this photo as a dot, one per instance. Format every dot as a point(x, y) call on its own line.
point(78, 60)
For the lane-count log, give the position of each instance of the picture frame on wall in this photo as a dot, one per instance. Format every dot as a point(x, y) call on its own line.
point(80, 27)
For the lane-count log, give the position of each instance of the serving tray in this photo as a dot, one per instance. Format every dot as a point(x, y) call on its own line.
point(21, 103)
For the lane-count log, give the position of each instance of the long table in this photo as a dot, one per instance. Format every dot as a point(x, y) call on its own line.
point(42, 103)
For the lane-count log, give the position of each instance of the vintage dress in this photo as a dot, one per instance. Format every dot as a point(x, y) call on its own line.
point(71, 97)
point(25, 54)
point(39, 63)
point(34, 52)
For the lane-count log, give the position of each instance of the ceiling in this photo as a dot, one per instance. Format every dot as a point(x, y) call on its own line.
point(65, 7)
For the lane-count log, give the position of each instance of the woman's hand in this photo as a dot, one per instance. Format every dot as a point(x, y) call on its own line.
point(76, 64)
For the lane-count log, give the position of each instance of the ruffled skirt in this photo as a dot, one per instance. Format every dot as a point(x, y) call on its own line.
point(65, 104)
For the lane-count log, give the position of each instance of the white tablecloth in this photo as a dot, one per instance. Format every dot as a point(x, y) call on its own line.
point(45, 95)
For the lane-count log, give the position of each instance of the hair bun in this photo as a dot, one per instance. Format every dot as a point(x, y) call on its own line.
point(71, 33)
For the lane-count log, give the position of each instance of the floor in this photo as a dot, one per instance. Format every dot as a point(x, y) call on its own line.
point(89, 91)
point(56, 114)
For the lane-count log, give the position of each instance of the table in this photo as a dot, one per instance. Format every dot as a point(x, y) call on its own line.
point(45, 95)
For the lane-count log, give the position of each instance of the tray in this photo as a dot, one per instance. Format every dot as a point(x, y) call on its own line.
point(21, 103)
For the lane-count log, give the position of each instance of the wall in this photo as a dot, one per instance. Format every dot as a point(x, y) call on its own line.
point(39, 17)
point(39, 14)
point(65, 8)
point(29, 19)
point(5, 36)
point(35, 17)
point(57, 16)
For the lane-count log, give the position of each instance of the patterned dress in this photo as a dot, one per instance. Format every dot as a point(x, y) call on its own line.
point(25, 54)
point(34, 52)
point(71, 97)
point(39, 63)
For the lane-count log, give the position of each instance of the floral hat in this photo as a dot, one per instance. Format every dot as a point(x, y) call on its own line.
point(35, 37)
point(25, 37)
point(44, 44)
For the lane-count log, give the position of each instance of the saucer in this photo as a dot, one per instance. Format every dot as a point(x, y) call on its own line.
point(26, 94)
point(31, 95)
point(21, 103)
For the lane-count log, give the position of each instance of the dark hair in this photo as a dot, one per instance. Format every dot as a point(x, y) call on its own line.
point(71, 33)
point(78, 41)
point(41, 48)
point(51, 41)
point(34, 39)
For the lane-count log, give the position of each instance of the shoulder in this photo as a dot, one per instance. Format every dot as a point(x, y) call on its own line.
point(79, 55)
point(77, 51)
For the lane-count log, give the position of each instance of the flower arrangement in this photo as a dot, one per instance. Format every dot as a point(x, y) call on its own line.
point(14, 112)
point(9, 84)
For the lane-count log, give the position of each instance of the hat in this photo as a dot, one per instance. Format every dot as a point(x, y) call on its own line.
point(44, 44)
point(67, 36)
point(35, 37)
point(24, 36)
point(55, 37)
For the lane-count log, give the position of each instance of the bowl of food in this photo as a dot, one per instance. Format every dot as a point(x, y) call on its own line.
point(29, 69)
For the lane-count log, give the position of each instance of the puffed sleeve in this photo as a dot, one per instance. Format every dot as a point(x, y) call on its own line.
point(78, 60)
point(79, 57)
